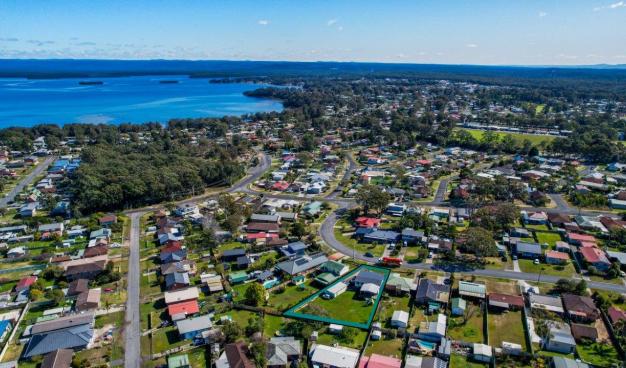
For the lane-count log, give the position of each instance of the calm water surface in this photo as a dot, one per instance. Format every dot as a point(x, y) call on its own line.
point(26, 102)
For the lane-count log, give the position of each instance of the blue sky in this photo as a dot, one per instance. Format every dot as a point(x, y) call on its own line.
point(522, 32)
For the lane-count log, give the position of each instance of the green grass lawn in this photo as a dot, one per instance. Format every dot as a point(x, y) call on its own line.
point(549, 238)
point(537, 227)
point(459, 361)
point(346, 307)
point(468, 331)
point(617, 300)
point(330, 340)
point(376, 250)
point(616, 280)
point(506, 326)
point(386, 347)
point(271, 325)
point(198, 357)
point(566, 270)
point(390, 304)
point(241, 317)
point(519, 137)
point(601, 355)
point(291, 296)
point(166, 338)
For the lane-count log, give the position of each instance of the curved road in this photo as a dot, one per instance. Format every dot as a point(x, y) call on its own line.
point(328, 235)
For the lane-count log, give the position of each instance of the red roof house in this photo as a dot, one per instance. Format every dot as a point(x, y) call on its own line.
point(188, 308)
point(595, 257)
point(576, 238)
point(616, 314)
point(280, 186)
point(368, 222)
point(554, 257)
point(379, 361)
point(25, 283)
point(506, 301)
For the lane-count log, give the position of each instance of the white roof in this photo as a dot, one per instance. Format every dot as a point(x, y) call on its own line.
point(337, 288)
point(338, 357)
point(401, 316)
point(370, 288)
point(180, 295)
point(482, 349)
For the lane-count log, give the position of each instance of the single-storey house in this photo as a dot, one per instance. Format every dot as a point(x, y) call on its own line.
point(191, 328)
point(505, 301)
point(528, 250)
point(334, 356)
point(580, 308)
point(399, 319)
point(472, 290)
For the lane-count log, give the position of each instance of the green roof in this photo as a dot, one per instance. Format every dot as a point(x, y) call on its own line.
point(399, 282)
point(178, 361)
point(238, 276)
point(333, 267)
point(325, 278)
point(472, 288)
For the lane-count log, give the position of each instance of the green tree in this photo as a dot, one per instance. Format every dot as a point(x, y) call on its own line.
point(372, 197)
point(232, 331)
point(255, 295)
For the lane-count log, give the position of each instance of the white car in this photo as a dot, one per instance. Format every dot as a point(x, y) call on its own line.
point(536, 261)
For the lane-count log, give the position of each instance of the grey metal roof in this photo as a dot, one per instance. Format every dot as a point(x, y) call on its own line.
point(194, 324)
point(524, 247)
point(67, 338)
point(302, 264)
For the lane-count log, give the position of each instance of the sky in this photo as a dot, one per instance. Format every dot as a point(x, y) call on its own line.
point(488, 32)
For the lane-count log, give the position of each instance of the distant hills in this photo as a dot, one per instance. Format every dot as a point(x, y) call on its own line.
point(58, 68)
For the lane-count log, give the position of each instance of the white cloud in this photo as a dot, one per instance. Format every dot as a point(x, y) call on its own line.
point(340, 28)
point(263, 22)
point(619, 4)
point(331, 22)
point(471, 45)
point(542, 14)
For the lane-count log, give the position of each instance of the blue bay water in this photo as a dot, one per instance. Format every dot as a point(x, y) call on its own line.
point(141, 99)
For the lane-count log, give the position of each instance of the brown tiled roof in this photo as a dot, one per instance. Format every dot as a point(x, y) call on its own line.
point(78, 286)
point(514, 300)
point(583, 331)
point(61, 358)
point(236, 355)
point(577, 304)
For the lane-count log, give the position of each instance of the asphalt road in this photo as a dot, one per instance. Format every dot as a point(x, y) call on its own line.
point(328, 235)
point(440, 195)
point(10, 197)
point(132, 329)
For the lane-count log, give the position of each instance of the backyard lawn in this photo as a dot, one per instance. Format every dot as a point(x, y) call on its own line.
point(291, 296)
point(567, 270)
point(345, 307)
point(470, 330)
point(506, 326)
point(271, 325)
point(386, 347)
point(459, 361)
point(549, 238)
point(598, 354)
point(390, 304)
point(537, 227)
point(330, 340)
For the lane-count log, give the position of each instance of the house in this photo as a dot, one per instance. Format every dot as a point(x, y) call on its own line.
point(182, 266)
point(312, 209)
point(237, 277)
point(16, 252)
point(381, 237)
point(5, 329)
point(596, 258)
point(578, 239)
point(302, 264)
point(528, 250)
point(51, 228)
point(520, 232)
point(561, 246)
point(505, 301)
point(583, 333)
point(95, 251)
point(472, 290)
point(192, 328)
point(334, 267)
point(231, 255)
point(379, 361)
point(560, 339)
point(324, 356)
point(178, 361)
point(413, 361)
point(29, 209)
point(615, 314)
point(335, 290)
point(367, 222)
point(60, 358)
point(367, 277)
point(25, 283)
point(558, 219)
point(534, 218)
point(77, 287)
point(257, 217)
point(546, 302)
point(369, 290)
point(482, 353)
point(107, 220)
point(214, 282)
point(410, 236)
point(69, 332)
point(294, 249)
point(556, 258)
point(395, 209)
point(561, 362)
point(399, 319)
point(458, 306)
point(433, 331)
point(88, 300)
point(236, 356)
point(262, 227)
point(177, 280)
point(181, 310)
point(619, 257)
point(580, 308)
point(399, 285)
point(429, 291)
point(282, 352)
point(182, 295)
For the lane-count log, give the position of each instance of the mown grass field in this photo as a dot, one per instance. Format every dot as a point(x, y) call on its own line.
point(519, 137)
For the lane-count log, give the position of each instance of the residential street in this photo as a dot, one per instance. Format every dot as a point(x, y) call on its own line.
point(132, 329)
point(41, 167)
